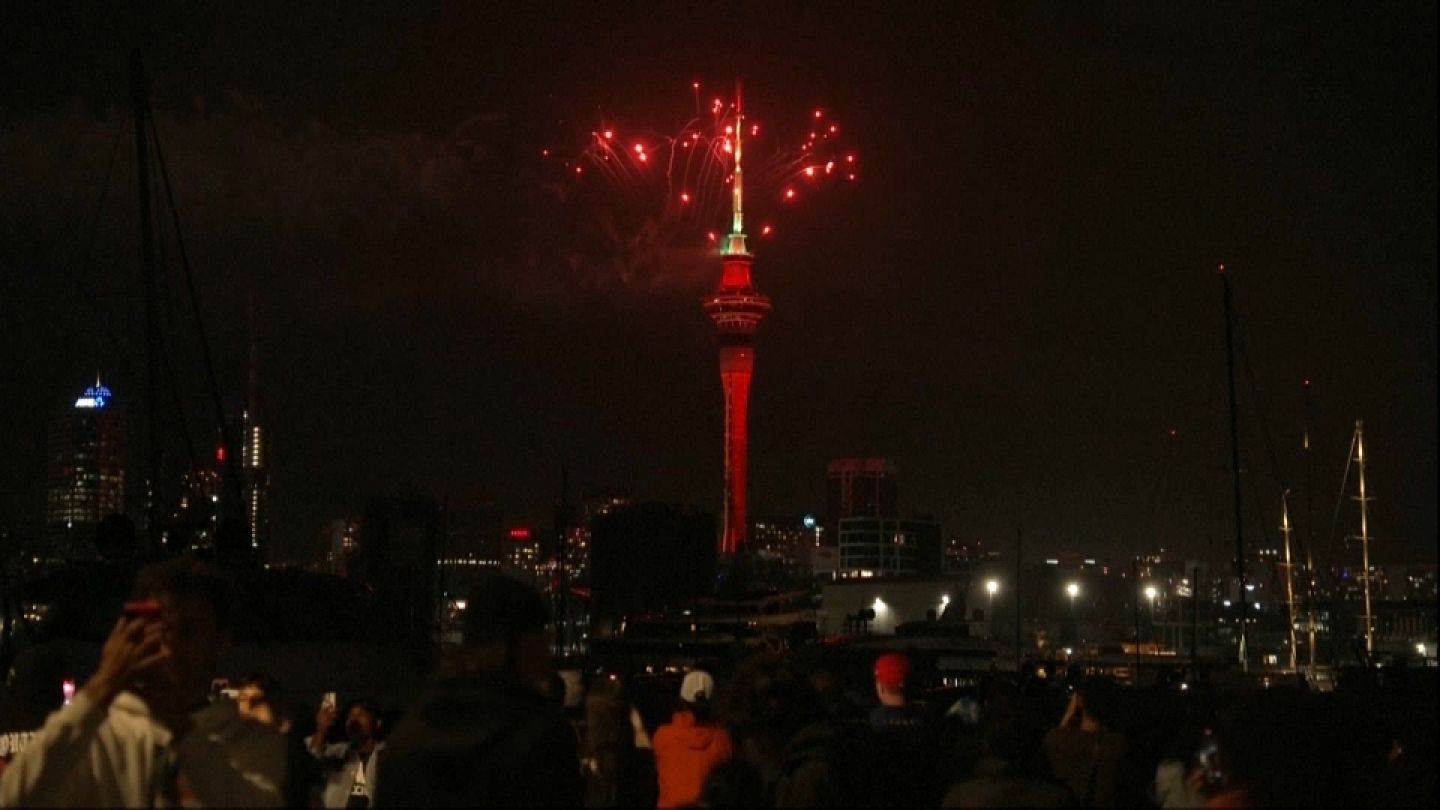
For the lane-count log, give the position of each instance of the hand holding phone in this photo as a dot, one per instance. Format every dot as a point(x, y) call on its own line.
point(134, 649)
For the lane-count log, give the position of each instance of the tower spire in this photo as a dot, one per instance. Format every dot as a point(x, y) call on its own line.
point(735, 243)
point(737, 214)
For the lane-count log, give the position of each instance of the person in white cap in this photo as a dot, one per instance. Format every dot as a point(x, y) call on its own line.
point(691, 744)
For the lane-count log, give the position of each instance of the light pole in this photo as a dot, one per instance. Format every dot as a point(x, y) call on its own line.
point(1150, 594)
point(991, 587)
point(1074, 590)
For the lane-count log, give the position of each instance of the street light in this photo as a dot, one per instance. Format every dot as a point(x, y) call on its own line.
point(1074, 590)
point(991, 587)
point(1150, 593)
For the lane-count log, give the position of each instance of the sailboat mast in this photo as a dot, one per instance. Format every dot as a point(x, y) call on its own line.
point(1235, 471)
point(152, 476)
point(1289, 574)
point(1364, 537)
point(1310, 575)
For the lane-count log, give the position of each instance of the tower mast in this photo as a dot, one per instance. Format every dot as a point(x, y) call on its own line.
point(737, 189)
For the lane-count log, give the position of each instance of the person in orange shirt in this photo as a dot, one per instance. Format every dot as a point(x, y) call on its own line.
point(690, 745)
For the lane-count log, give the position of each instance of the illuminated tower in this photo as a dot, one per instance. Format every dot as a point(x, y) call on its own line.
point(737, 309)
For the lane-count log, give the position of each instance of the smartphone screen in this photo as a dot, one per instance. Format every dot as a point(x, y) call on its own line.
point(67, 690)
point(142, 608)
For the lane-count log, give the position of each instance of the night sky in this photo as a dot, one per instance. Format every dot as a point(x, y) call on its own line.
point(1016, 302)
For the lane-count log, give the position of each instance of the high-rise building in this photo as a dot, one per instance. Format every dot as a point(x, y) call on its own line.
point(859, 487)
point(737, 309)
point(255, 459)
point(786, 544)
point(882, 547)
point(85, 470)
point(339, 542)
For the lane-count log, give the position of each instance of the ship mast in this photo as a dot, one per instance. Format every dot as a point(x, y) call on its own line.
point(1310, 542)
point(1289, 574)
point(1364, 538)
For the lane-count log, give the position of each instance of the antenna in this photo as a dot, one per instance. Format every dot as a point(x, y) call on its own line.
point(737, 215)
point(735, 242)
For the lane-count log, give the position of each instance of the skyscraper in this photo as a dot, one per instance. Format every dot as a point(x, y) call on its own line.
point(737, 309)
point(85, 469)
point(255, 458)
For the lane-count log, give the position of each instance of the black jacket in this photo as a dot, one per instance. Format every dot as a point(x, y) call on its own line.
point(486, 741)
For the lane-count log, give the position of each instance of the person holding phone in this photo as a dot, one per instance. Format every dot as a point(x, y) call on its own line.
point(350, 767)
point(142, 732)
point(1085, 751)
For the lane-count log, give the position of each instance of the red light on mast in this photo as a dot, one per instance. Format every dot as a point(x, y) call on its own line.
point(220, 454)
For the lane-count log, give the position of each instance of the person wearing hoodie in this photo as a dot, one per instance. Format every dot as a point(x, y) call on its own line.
point(486, 735)
point(142, 732)
point(690, 745)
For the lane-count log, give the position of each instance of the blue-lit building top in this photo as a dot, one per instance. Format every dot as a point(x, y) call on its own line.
point(96, 397)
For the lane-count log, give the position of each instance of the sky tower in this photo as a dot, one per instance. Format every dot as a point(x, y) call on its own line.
point(737, 309)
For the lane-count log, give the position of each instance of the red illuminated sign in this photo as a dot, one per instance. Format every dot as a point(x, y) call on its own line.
point(519, 534)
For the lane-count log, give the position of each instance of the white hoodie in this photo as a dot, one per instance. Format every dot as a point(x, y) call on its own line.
point(84, 756)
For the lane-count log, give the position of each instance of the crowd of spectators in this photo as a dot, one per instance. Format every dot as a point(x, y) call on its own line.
point(775, 729)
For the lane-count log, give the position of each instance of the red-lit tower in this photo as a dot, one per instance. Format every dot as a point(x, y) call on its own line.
point(737, 309)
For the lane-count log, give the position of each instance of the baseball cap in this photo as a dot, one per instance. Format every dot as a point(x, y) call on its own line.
point(892, 670)
point(697, 686)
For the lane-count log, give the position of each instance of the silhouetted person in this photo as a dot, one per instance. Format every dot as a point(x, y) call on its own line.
point(486, 735)
point(1010, 771)
point(619, 762)
point(1085, 752)
point(734, 784)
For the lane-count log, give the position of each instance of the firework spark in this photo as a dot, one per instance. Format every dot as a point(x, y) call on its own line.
point(680, 177)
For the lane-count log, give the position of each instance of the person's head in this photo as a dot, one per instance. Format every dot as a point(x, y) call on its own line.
point(766, 700)
point(258, 698)
point(1101, 699)
point(503, 632)
point(695, 692)
point(892, 671)
point(362, 721)
point(195, 606)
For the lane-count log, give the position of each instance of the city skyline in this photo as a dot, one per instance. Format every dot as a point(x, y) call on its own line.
point(1017, 302)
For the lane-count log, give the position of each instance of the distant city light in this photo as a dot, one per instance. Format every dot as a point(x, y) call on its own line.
point(992, 587)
